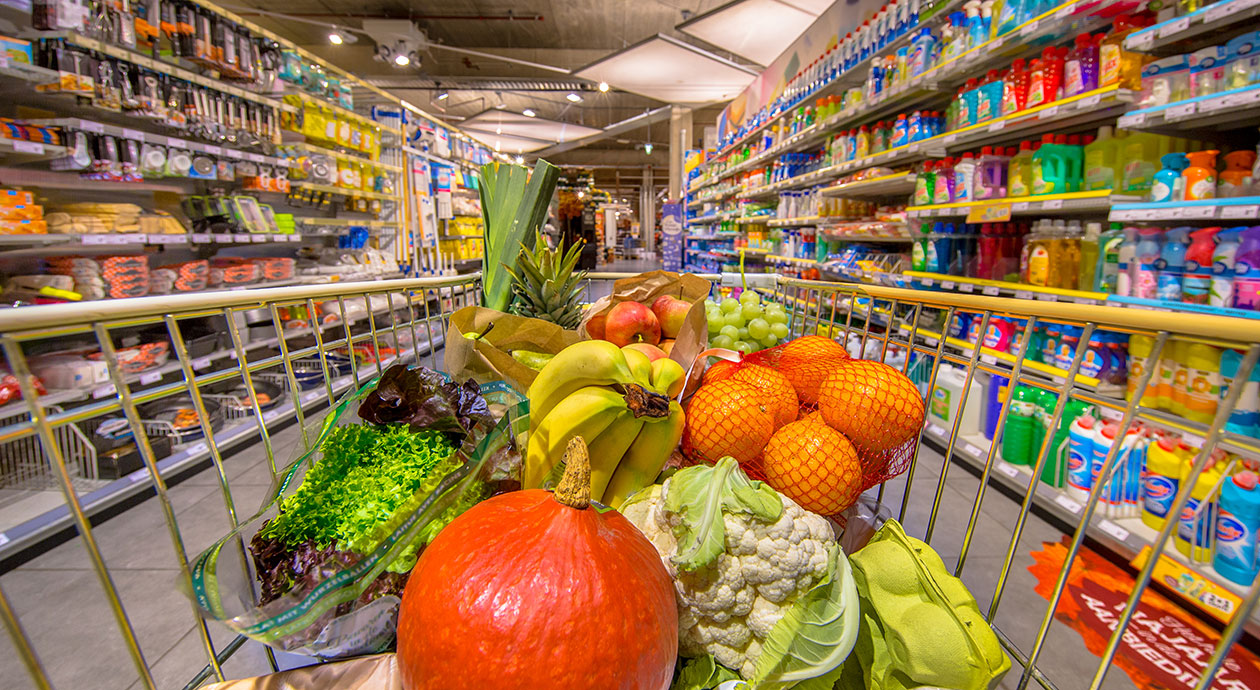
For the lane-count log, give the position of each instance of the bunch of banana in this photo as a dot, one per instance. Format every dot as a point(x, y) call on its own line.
point(619, 401)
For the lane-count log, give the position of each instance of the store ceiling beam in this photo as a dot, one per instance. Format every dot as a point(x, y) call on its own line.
point(627, 125)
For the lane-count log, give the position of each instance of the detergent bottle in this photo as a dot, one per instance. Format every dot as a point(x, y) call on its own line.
point(1222, 294)
point(990, 174)
point(1141, 348)
point(1080, 459)
point(1165, 374)
point(989, 97)
point(1049, 169)
point(925, 184)
point(1203, 382)
point(1145, 271)
point(1089, 248)
point(964, 177)
point(1054, 472)
point(1117, 65)
point(1100, 161)
point(1236, 177)
point(1020, 171)
point(1075, 152)
point(1171, 265)
point(1237, 523)
point(1015, 88)
point(1168, 183)
point(1081, 67)
point(1126, 262)
point(1017, 435)
point(1179, 388)
point(1107, 273)
point(1199, 516)
point(1140, 153)
point(921, 52)
point(1008, 15)
point(1201, 175)
point(1247, 270)
point(943, 193)
point(1196, 282)
point(968, 113)
point(1165, 471)
point(1245, 417)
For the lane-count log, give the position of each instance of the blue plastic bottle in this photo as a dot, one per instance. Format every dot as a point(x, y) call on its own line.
point(1080, 457)
point(1008, 16)
point(1172, 264)
point(915, 128)
point(1245, 417)
point(1237, 522)
point(1168, 184)
point(922, 49)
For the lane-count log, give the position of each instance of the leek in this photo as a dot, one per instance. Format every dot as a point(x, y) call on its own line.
point(513, 205)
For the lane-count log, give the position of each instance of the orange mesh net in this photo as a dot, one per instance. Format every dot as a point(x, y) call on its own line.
point(855, 426)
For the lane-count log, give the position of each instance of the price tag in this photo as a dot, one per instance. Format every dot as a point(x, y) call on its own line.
point(1220, 11)
point(1047, 297)
point(254, 158)
point(1089, 101)
point(138, 476)
point(1007, 469)
point(104, 239)
point(1133, 120)
point(997, 125)
point(133, 134)
point(1214, 104)
point(949, 139)
point(1051, 204)
point(312, 396)
point(260, 238)
point(200, 363)
point(200, 237)
point(1029, 28)
point(937, 430)
point(947, 285)
point(176, 142)
point(1113, 529)
point(1174, 26)
point(1071, 506)
point(1047, 113)
point(1180, 112)
point(213, 150)
point(1019, 206)
point(168, 239)
point(223, 236)
point(1240, 211)
point(967, 287)
point(150, 377)
point(27, 146)
point(271, 415)
point(104, 391)
point(973, 450)
point(294, 238)
point(991, 290)
point(131, 238)
point(928, 282)
point(989, 359)
point(1023, 294)
point(89, 126)
point(1199, 212)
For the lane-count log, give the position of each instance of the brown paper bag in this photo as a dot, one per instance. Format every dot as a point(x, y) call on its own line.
point(489, 358)
point(644, 289)
point(378, 672)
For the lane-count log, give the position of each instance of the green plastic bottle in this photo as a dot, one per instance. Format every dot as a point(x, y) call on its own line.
point(1100, 161)
point(1055, 471)
point(1021, 419)
point(1140, 152)
point(1050, 474)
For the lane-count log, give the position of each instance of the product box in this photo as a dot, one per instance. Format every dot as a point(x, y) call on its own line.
point(16, 197)
point(17, 50)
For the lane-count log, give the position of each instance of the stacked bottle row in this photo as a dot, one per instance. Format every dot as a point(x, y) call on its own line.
point(1191, 378)
point(1215, 266)
point(1106, 357)
point(988, 250)
point(868, 140)
point(1205, 72)
point(1193, 176)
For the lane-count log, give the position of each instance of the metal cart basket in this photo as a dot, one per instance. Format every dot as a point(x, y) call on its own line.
point(405, 320)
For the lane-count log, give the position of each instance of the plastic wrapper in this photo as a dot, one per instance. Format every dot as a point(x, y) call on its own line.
point(338, 602)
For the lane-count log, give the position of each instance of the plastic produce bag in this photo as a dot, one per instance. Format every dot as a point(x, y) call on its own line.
point(920, 626)
point(339, 600)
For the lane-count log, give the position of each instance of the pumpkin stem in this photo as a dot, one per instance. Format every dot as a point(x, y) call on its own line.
point(574, 489)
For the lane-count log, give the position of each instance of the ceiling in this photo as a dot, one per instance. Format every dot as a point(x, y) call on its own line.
point(523, 53)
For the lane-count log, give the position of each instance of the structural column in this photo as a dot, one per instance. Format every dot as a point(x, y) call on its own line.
point(681, 134)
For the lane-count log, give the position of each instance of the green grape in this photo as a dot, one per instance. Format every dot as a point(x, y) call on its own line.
point(743, 334)
point(779, 330)
point(715, 324)
point(770, 340)
point(749, 297)
point(743, 347)
point(730, 332)
point(729, 305)
point(722, 342)
point(751, 311)
point(776, 316)
point(710, 305)
point(735, 319)
point(758, 328)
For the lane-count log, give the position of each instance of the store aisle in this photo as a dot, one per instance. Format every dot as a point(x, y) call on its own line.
point(60, 603)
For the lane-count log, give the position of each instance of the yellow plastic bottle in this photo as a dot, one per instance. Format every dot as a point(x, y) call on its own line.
point(1179, 394)
point(1020, 171)
point(1198, 528)
point(1203, 382)
point(1165, 471)
point(1140, 347)
point(1100, 160)
point(1166, 375)
point(1140, 152)
point(1117, 65)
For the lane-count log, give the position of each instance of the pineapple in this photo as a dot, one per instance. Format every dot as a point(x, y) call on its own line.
point(544, 285)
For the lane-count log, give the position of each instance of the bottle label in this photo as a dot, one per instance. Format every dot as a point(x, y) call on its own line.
point(1202, 189)
point(1036, 87)
point(1137, 369)
point(1018, 186)
point(964, 111)
point(1075, 82)
point(1161, 192)
point(1092, 363)
point(940, 403)
point(1038, 180)
point(1038, 266)
point(1109, 59)
point(1235, 544)
point(918, 256)
point(1158, 493)
point(1204, 390)
point(1080, 457)
point(1190, 524)
point(984, 111)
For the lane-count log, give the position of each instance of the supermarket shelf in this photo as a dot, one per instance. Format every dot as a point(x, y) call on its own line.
point(751, 220)
point(1203, 27)
point(343, 112)
point(349, 157)
point(18, 151)
point(161, 140)
point(807, 179)
point(715, 236)
point(1235, 208)
point(1165, 305)
point(164, 67)
point(996, 288)
point(992, 357)
point(713, 217)
point(47, 179)
point(347, 222)
point(796, 222)
point(887, 185)
point(845, 237)
point(330, 189)
point(1223, 111)
point(996, 209)
point(449, 162)
point(27, 72)
point(791, 260)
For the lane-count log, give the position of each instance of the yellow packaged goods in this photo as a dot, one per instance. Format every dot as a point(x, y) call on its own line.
point(16, 197)
point(23, 227)
point(22, 212)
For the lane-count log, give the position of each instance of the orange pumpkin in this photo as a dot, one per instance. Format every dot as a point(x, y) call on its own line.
point(529, 590)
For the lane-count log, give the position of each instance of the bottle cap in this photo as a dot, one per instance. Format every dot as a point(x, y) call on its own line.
point(992, 75)
point(1245, 480)
point(1082, 40)
point(1047, 138)
point(967, 156)
point(1018, 65)
point(1060, 139)
point(1074, 139)
point(1011, 152)
point(1025, 145)
point(986, 150)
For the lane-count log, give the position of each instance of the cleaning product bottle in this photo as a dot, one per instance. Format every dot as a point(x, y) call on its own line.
point(1222, 294)
point(921, 52)
point(1015, 88)
point(1046, 81)
point(1126, 263)
point(1169, 184)
point(1200, 177)
point(925, 184)
point(989, 97)
point(1100, 161)
point(1196, 282)
point(1237, 523)
point(919, 250)
point(1008, 15)
point(1038, 249)
point(1017, 435)
point(1117, 65)
point(1075, 166)
point(1081, 67)
point(1203, 382)
point(1104, 437)
point(1089, 250)
point(1055, 469)
point(1050, 166)
point(1145, 273)
point(968, 113)
point(1165, 375)
point(1080, 457)
point(1140, 350)
point(1236, 177)
point(1165, 471)
point(1178, 390)
point(964, 174)
point(975, 27)
point(990, 175)
point(1247, 270)
point(1199, 517)
point(1107, 272)
point(1245, 417)
point(1140, 152)
point(1020, 171)
point(943, 193)
point(863, 142)
point(1171, 265)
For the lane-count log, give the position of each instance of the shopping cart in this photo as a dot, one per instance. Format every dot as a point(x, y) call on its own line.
point(909, 327)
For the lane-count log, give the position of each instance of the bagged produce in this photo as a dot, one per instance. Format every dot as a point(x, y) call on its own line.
point(920, 626)
point(644, 289)
point(321, 568)
point(762, 585)
point(489, 339)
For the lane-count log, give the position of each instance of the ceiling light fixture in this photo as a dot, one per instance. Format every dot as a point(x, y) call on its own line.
point(603, 87)
point(335, 38)
point(520, 160)
point(647, 148)
point(529, 112)
point(444, 95)
point(573, 97)
point(402, 60)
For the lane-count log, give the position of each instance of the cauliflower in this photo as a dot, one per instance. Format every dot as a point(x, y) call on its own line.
point(741, 556)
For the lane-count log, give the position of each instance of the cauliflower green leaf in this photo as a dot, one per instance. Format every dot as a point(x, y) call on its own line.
point(698, 496)
point(702, 673)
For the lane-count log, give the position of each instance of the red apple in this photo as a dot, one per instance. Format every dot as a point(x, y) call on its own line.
point(631, 322)
point(671, 312)
point(653, 352)
point(595, 327)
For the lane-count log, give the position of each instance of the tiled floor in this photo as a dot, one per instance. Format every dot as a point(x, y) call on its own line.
point(60, 602)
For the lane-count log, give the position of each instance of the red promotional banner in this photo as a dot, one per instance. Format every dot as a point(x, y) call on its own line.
point(1164, 647)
